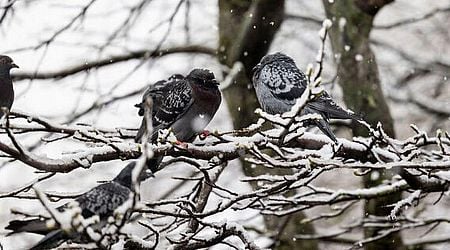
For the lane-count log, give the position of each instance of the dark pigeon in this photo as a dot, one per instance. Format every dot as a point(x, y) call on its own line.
point(184, 104)
point(101, 200)
point(6, 86)
point(279, 83)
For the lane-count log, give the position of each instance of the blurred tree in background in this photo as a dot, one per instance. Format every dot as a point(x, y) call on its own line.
point(246, 31)
point(358, 74)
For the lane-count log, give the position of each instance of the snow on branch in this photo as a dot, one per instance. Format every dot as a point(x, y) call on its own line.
point(422, 163)
point(189, 218)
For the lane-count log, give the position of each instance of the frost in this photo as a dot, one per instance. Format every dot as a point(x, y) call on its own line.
point(215, 160)
point(445, 175)
point(92, 234)
point(143, 243)
point(404, 203)
point(168, 135)
point(366, 192)
point(84, 162)
point(119, 245)
point(326, 24)
point(256, 125)
point(326, 152)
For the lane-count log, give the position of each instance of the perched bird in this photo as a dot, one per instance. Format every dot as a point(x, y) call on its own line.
point(6, 87)
point(184, 104)
point(101, 200)
point(278, 83)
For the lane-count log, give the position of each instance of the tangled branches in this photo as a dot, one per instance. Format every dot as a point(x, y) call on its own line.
point(187, 221)
point(191, 218)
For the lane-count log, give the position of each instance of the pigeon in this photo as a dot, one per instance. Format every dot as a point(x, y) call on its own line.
point(6, 87)
point(101, 200)
point(184, 104)
point(279, 83)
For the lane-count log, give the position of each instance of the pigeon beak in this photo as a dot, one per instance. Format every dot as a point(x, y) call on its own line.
point(13, 65)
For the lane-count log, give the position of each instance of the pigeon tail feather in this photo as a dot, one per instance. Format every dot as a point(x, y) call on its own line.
point(32, 226)
point(325, 128)
point(51, 240)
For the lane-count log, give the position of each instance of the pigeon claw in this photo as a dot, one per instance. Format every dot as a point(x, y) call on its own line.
point(204, 134)
point(181, 144)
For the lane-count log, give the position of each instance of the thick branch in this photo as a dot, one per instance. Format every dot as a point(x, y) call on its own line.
point(139, 54)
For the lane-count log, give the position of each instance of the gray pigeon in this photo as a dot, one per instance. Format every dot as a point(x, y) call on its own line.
point(6, 86)
point(184, 104)
point(101, 200)
point(279, 83)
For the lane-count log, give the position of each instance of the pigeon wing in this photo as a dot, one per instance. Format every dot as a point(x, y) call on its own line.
point(103, 200)
point(177, 101)
point(156, 92)
point(285, 82)
point(329, 109)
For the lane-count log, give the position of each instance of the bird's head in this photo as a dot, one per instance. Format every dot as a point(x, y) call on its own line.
point(203, 76)
point(125, 176)
point(276, 57)
point(6, 63)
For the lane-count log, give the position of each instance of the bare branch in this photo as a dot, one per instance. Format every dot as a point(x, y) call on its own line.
point(139, 54)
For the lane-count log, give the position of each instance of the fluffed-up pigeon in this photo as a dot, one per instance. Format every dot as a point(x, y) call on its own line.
point(279, 83)
point(184, 104)
point(6, 85)
point(101, 200)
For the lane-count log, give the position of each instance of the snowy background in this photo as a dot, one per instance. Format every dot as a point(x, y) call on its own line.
point(23, 37)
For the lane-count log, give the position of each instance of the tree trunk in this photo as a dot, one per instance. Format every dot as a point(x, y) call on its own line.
point(358, 75)
point(246, 30)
